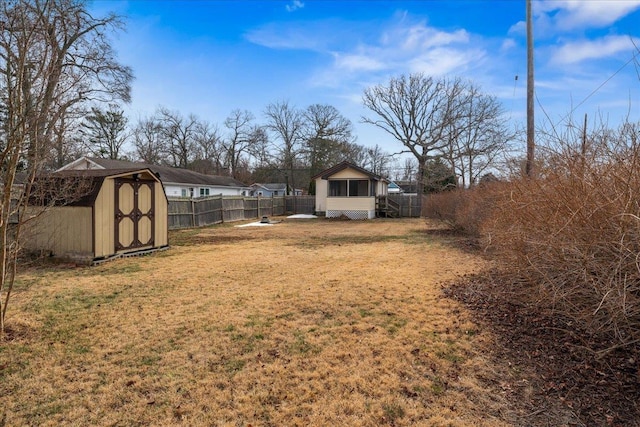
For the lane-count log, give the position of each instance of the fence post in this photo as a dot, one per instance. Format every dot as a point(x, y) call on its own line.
point(222, 208)
point(258, 206)
point(193, 212)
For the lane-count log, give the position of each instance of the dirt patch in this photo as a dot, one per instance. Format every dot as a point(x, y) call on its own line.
point(550, 369)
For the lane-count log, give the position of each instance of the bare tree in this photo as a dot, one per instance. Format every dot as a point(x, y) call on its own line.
point(239, 139)
point(287, 125)
point(260, 148)
point(478, 136)
point(409, 170)
point(148, 141)
point(104, 131)
point(416, 110)
point(378, 161)
point(54, 56)
point(326, 132)
point(66, 144)
point(178, 133)
point(209, 150)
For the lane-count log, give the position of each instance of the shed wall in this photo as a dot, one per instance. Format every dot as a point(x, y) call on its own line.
point(104, 213)
point(64, 231)
point(161, 217)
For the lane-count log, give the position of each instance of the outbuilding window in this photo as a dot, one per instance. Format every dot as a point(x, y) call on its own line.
point(338, 188)
point(349, 188)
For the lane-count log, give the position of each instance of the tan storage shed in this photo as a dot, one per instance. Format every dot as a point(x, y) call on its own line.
point(98, 214)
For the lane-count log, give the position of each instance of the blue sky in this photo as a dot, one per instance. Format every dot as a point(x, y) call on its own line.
point(211, 57)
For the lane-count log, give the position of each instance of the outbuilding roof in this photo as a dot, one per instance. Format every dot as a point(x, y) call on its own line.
point(325, 174)
point(75, 187)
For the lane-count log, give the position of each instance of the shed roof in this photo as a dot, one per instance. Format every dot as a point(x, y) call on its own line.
point(75, 187)
point(325, 174)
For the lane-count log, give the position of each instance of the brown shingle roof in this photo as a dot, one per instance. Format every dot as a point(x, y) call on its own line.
point(168, 174)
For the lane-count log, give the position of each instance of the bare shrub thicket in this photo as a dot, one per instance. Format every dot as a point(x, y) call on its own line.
point(464, 210)
point(573, 234)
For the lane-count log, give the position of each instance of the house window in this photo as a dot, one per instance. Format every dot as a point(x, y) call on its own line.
point(204, 192)
point(358, 188)
point(275, 193)
point(338, 188)
point(183, 192)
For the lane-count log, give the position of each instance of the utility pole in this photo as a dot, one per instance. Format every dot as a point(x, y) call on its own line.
point(529, 169)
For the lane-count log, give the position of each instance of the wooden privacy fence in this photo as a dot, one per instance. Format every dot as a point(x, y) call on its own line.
point(408, 204)
point(198, 212)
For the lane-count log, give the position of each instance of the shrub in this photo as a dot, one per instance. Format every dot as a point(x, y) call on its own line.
point(464, 210)
point(572, 238)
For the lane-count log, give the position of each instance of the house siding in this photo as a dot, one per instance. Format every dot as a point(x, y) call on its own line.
point(172, 190)
point(321, 194)
point(348, 174)
point(351, 207)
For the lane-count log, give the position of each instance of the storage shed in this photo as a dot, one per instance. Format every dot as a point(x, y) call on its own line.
point(348, 190)
point(97, 214)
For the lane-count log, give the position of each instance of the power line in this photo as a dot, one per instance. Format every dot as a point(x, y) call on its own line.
point(633, 57)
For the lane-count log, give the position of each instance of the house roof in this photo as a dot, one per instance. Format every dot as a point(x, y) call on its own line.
point(167, 174)
point(271, 186)
point(325, 174)
point(394, 185)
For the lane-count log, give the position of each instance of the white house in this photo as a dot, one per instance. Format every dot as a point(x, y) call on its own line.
point(177, 182)
point(349, 190)
point(272, 189)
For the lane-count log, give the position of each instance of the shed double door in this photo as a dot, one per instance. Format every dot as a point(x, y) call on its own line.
point(134, 214)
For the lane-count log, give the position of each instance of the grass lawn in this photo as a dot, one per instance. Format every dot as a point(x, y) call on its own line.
point(303, 323)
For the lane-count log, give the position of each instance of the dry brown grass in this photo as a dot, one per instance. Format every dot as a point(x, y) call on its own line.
point(303, 323)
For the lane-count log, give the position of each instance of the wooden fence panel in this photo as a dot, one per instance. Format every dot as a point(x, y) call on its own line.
point(233, 209)
point(180, 211)
point(408, 204)
point(208, 210)
point(251, 208)
point(300, 204)
point(265, 206)
point(198, 212)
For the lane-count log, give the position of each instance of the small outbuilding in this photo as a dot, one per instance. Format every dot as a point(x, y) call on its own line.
point(97, 214)
point(348, 190)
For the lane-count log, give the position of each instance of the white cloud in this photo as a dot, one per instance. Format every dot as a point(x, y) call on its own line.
point(508, 44)
point(574, 14)
point(442, 61)
point(578, 51)
point(421, 36)
point(552, 17)
point(405, 46)
point(294, 5)
point(357, 62)
point(293, 36)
